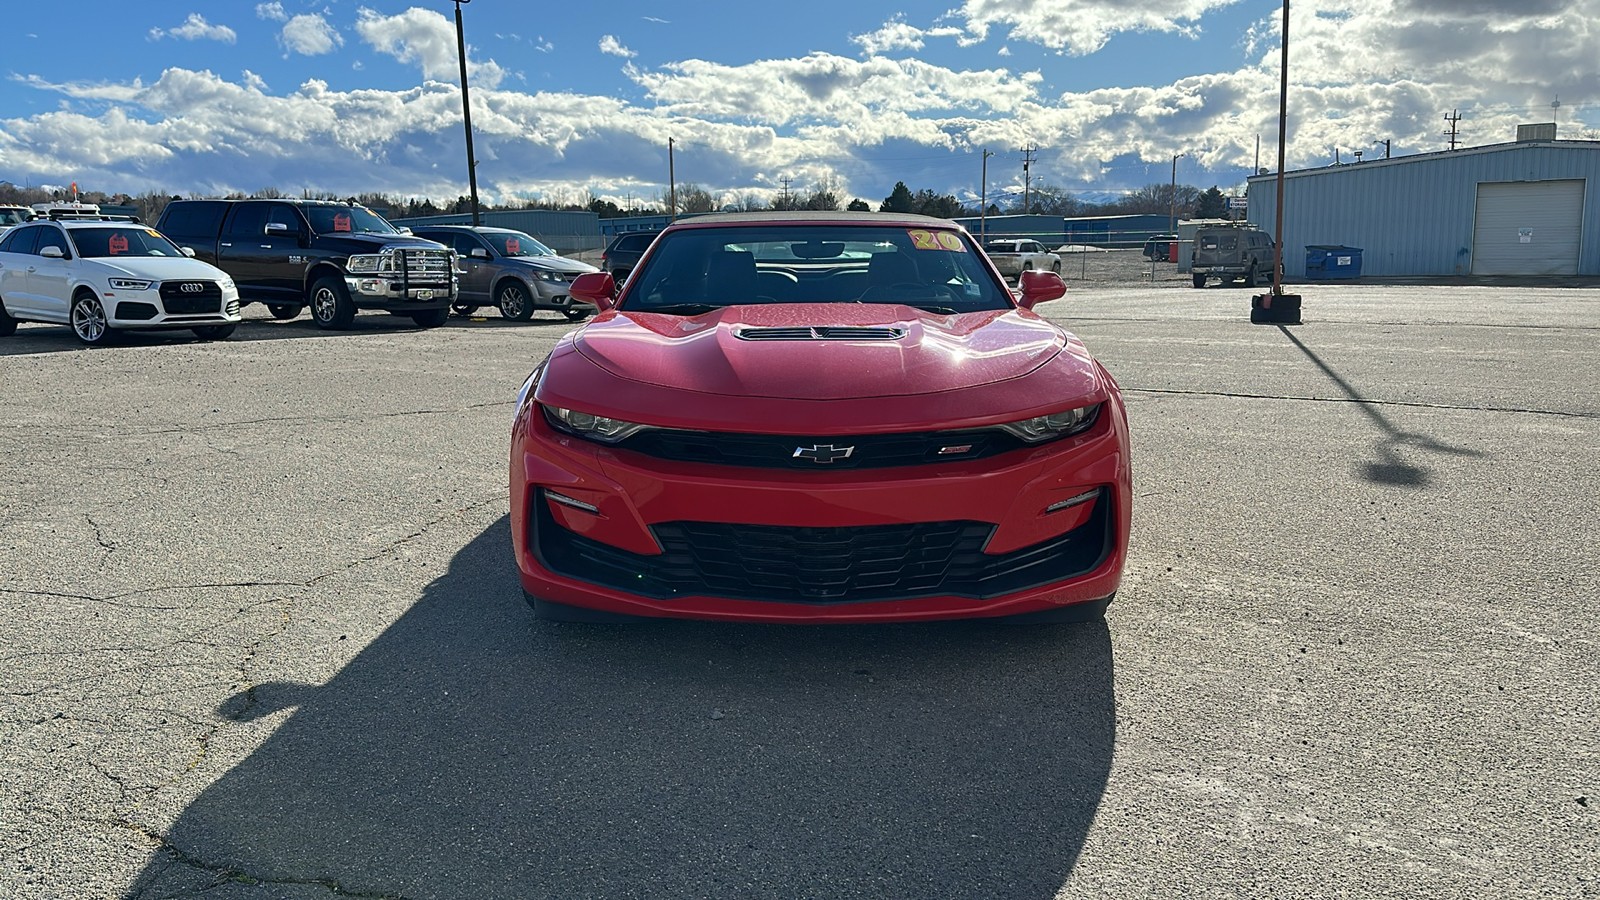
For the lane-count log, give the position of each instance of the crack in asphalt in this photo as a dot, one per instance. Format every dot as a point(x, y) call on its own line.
point(1367, 402)
point(221, 873)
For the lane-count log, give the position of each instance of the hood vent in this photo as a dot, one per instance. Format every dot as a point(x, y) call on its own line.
point(822, 333)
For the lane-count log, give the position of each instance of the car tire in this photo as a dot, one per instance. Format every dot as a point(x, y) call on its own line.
point(463, 309)
point(1199, 281)
point(550, 611)
point(283, 311)
point(575, 313)
point(432, 318)
point(8, 325)
point(1077, 613)
point(512, 297)
point(1056, 267)
point(214, 332)
point(88, 320)
point(330, 303)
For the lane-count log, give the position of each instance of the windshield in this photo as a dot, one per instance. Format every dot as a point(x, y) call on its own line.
point(346, 219)
point(515, 243)
point(700, 269)
point(12, 217)
point(130, 241)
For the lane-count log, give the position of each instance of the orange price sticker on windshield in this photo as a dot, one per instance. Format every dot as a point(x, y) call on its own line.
point(341, 222)
point(117, 244)
point(513, 246)
point(922, 239)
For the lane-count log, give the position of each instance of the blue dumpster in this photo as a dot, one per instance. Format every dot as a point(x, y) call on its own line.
point(1325, 261)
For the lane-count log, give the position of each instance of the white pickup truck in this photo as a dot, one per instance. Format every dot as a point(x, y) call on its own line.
point(1013, 257)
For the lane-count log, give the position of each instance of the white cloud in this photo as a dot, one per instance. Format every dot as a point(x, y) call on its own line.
point(1081, 27)
point(310, 35)
point(610, 46)
point(428, 39)
point(196, 28)
point(897, 35)
point(272, 12)
point(1362, 70)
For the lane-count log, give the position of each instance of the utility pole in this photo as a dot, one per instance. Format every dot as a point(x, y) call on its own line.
point(1172, 196)
point(1385, 142)
point(786, 179)
point(983, 198)
point(1027, 160)
point(672, 187)
point(1453, 118)
point(466, 111)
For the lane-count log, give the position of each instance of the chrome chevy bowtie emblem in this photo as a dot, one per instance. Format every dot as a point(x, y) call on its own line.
point(823, 453)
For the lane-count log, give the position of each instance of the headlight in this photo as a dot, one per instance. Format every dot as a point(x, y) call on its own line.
point(225, 283)
point(590, 426)
point(370, 263)
point(1056, 425)
point(131, 284)
point(542, 275)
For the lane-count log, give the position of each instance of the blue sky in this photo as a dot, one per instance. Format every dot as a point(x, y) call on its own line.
point(201, 97)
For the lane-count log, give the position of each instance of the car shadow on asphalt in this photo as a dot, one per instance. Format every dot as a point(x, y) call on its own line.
point(1391, 466)
point(471, 751)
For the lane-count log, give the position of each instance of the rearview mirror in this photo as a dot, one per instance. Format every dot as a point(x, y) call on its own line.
point(597, 288)
point(1037, 287)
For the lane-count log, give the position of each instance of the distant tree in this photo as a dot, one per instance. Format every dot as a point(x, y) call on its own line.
point(899, 200)
point(928, 203)
point(692, 198)
point(824, 200)
point(859, 205)
point(1211, 205)
point(605, 209)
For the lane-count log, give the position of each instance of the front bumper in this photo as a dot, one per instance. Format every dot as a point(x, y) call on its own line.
point(374, 292)
point(933, 541)
point(133, 310)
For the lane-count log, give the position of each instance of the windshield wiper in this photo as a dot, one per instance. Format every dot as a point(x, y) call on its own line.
point(929, 307)
point(678, 309)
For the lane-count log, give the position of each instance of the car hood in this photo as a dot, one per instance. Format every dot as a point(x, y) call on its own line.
point(550, 264)
point(159, 268)
point(733, 350)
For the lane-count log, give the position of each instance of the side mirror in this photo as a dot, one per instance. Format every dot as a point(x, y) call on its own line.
point(277, 228)
point(1037, 287)
point(187, 251)
point(597, 288)
point(52, 253)
point(479, 253)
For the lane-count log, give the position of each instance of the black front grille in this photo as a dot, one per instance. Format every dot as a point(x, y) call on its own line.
point(778, 451)
point(821, 565)
point(187, 298)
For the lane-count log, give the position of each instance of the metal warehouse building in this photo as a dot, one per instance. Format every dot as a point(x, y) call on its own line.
point(1524, 208)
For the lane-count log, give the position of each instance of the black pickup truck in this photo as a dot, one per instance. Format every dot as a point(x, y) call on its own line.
point(333, 257)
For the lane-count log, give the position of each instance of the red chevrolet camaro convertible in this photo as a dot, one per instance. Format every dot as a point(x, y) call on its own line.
point(819, 417)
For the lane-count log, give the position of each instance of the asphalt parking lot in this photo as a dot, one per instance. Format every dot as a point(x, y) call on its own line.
point(264, 638)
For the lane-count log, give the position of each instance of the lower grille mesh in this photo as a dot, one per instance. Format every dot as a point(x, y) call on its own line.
point(820, 565)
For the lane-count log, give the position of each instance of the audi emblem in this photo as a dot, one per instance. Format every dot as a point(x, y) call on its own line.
point(192, 288)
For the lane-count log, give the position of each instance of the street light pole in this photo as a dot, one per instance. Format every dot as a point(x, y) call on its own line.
point(466, 111)
point(1172, 209)
point(983, 199)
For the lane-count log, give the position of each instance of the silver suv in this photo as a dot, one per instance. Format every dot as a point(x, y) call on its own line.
point(1229, 252)
point(511, 270)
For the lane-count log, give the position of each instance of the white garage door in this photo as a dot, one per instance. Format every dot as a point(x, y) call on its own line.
point(1528, 228)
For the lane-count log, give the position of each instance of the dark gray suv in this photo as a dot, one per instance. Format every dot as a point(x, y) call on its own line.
point(1229, 252)
point(509, 269)
point(624, 251)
